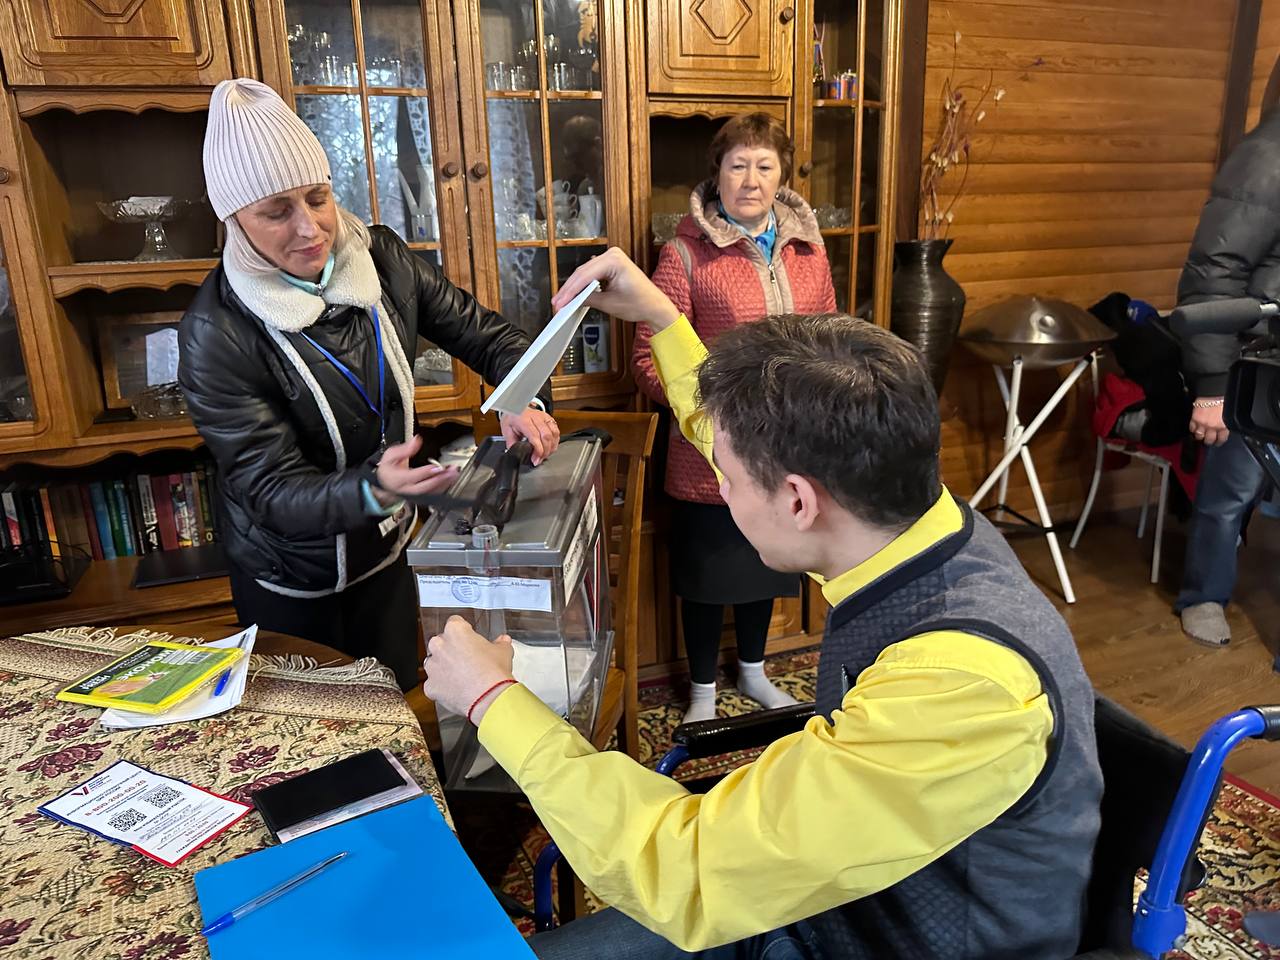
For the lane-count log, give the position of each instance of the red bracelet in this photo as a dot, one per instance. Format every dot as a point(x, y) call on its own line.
point(471, 709)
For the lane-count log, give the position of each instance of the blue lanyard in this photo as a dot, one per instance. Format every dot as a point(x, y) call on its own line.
point(351, 377)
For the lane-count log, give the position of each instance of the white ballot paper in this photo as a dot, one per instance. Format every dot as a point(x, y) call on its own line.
point(202, 703)
point(550, 675)
point(160, 817)
point(521, 385)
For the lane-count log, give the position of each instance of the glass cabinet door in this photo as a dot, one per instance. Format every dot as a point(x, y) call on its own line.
point(26, 419)
point(543, 202)
point(845, 179)
point(24, 410)
point(17, 403)
point(367, 76)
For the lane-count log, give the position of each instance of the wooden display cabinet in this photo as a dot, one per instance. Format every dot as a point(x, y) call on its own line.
point(544, 123)
point(707, 48)
point(846, 163)
point(29, 409)
point(453, 157)
point(104, 43)
point(372, 79)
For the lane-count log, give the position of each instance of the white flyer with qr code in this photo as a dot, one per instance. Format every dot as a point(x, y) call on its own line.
point(160, 817)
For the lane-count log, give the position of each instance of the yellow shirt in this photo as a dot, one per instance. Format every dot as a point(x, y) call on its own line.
point(937, 738)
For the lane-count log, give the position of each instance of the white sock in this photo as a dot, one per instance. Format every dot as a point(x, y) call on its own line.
point(702, 702)
point(753, 682)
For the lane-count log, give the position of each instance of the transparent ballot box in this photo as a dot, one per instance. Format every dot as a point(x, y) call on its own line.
point(519, 550)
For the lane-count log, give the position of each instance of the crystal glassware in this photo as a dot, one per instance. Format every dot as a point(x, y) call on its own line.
point(161, 402)
point(154, 212)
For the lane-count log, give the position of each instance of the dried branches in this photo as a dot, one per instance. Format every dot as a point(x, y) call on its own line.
point(964, 107)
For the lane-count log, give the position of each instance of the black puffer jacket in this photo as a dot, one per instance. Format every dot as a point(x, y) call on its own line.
point(291, 519)
point(1236, 250)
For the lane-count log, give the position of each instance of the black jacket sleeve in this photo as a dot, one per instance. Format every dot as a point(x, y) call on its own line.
point(459, 324)
point(238, 408)
point(1231, 240)
point(1239, 227)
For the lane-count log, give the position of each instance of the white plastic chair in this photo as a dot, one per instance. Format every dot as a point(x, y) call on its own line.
point(1154, 463)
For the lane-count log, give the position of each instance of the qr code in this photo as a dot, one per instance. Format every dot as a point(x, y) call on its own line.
point(162, 796)
point(127, 820)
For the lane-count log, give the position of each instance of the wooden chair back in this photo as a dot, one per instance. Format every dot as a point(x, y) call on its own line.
point(623, 466)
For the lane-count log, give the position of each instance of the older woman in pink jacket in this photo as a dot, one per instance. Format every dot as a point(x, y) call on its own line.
point(748, 248)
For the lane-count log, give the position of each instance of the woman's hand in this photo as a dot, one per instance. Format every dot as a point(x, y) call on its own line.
point(540, 429)
point(395, 478)
point(624, 292)
point(1207, 424)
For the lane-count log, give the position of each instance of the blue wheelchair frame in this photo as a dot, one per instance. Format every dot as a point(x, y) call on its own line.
point(1160, 921)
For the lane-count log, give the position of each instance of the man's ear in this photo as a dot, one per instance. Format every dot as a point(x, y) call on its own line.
point(804, 500)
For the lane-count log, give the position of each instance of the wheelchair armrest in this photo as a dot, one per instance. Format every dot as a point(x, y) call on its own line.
point(707, 738)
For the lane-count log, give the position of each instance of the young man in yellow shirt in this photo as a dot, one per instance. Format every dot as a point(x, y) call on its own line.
point(944, 803)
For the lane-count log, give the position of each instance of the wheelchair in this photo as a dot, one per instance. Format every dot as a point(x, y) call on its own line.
point(1156, 800)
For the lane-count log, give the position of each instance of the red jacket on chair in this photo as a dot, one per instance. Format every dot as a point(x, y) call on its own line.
point(1117, 394)
point(717, 277)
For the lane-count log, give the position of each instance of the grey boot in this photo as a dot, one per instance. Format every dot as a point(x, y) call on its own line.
point(1206, 623)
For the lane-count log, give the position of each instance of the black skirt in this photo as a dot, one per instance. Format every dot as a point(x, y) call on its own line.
point(712, 562)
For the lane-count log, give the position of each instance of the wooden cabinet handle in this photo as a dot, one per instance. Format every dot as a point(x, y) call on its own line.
point(787, 15)
point(450, 170)
point(806, 168)
point(4, 174)
point(479, 170)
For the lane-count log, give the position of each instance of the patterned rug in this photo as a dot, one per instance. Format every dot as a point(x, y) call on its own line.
point(1240, 847)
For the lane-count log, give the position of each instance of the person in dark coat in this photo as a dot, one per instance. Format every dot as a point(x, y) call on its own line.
point(1235, 253)
point(295, 363)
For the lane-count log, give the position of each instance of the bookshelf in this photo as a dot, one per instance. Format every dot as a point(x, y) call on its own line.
point(112, 514)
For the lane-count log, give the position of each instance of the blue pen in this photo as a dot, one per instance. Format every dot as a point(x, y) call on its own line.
point(226, 674)
point(227, 919)
point(222, 682)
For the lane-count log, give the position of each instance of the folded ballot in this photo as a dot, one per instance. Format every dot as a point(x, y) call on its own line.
point(521, 385)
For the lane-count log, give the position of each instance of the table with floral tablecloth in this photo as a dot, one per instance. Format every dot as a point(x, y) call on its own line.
point(65, 893)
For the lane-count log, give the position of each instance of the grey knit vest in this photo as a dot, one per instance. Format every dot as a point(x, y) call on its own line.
point(1016, 887)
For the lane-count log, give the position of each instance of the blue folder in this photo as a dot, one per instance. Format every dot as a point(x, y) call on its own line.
point(405, 889)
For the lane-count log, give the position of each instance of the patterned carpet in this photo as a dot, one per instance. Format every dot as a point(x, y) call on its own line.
point(1241, 844)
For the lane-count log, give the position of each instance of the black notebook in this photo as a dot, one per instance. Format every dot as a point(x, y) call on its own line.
point(179, 566)
point(333, 793)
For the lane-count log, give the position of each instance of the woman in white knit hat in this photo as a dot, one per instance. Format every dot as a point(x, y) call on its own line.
point(295, 365)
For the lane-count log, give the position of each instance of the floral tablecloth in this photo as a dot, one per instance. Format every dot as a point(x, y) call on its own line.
point(65, 893)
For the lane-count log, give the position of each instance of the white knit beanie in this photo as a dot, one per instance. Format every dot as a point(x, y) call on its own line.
point(255, 146)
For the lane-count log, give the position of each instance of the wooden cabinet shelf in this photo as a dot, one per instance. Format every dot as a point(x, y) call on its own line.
point(550, 95)
point(33, 102)
point(104, 596)
point(848, 104)
point(124, 431)
point(303, 90)
point(560, 242)
point(848, 231)
point(111, 275)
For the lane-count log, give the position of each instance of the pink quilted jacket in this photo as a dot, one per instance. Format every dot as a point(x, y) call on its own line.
point(718, 277)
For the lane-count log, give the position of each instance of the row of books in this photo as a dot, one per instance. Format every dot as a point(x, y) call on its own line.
point(106, 519)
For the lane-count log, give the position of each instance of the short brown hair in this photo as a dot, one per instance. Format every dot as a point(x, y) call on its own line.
point(752, 130)
point(832, 398)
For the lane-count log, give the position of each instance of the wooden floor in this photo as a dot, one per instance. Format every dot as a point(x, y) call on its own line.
point(1134, 649)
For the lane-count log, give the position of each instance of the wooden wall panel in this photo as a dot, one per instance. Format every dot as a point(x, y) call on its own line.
point(1264, 59)
point(1088, 178)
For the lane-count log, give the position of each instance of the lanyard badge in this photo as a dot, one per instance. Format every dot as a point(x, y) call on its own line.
point(351, 378)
